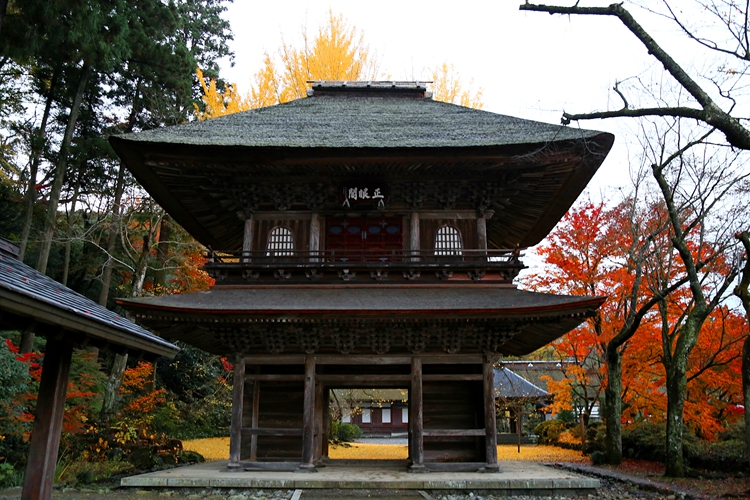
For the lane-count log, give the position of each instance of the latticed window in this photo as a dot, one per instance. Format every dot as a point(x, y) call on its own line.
point(280, 242)
point(448, 241)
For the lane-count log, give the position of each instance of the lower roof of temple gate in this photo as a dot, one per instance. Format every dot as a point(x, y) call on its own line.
point(364, 320)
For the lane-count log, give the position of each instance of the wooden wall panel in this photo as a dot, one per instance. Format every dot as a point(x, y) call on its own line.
point(281, 405)
point(453, 405)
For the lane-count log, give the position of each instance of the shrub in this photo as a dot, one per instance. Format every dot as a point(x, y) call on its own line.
point(647, 441)
point(10, 476)
point(724, 456)
point(81, 471)
point(344, 433)
point(549, 432)
point(598, 458)
point(348, 432)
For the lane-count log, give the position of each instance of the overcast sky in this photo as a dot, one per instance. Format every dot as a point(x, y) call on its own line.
point(530, 65)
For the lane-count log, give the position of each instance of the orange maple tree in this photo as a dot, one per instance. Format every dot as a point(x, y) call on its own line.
point(623, 253)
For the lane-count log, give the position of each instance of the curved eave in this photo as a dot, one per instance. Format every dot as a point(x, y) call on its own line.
point(191, 317)
point(47, 319)
point(136, 154)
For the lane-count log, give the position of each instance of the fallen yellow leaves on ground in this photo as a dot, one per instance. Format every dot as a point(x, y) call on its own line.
point(218, 449)
point(368, 451)
point(210, 448)
point(539, 453)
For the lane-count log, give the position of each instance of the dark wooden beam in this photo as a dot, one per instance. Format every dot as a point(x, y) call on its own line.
point(326, 424)
point(417, 416)
point(268, 377)
point(308, 416)
point(363, 359)
point(45, 436)
point(271, 431)
point(275, 360)
point(235, 430)
point(453, 432)
point(490, 422)
point(321, 406)
point(441, 377)
point(254, 421)
point(368, 380)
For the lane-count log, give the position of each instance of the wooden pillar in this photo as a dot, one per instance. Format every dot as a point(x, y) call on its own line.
point(308, 415)
point(414, 242)
point(326, 423)
point(482, 233)
point(45, 436)
point(247, 238)
point(254, 421)
point(320, 407)
point(235, 429)
point(490, 421)
point(314, 236)
point(416, 418)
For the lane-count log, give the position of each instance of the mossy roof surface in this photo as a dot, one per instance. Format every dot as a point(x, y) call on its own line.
point(362, 122)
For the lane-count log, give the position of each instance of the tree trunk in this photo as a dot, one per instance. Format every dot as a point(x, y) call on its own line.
point(3, 8)
point(742, 290)
point(613, 406)
point(114, 231)
point(50, 219)
point(139, 276)
point(113, 386)
point(121, 360)
point(676, 390)
point(69, 232)
point(36, 156)
point(746, 390)
point(162, 252)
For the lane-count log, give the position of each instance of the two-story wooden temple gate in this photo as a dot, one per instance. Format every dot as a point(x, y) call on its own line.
point(370, 237)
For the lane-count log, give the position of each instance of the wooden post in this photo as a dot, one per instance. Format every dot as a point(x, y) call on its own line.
point(254, 421)
point(308, 415)
point(416, 417)
point(314, 236)
point(247, 239)
point(319, 409)
point(45, 436)
point(326, 423)
point(235, 429)
point(490, 422)
point(482, 233)
point(414, 242)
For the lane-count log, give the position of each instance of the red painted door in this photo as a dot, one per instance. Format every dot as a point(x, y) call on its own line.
point(360, 238)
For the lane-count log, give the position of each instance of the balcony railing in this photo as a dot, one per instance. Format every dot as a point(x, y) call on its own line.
point(362, 265)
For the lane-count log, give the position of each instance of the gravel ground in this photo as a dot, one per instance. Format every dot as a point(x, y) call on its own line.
point(611, 489)
point(374, 440)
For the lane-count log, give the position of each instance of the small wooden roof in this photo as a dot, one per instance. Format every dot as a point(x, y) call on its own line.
point(29, 298)
point(510, 385)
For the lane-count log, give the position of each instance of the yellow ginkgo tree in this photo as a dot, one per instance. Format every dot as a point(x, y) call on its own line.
point(219, 102)
point(336, 52)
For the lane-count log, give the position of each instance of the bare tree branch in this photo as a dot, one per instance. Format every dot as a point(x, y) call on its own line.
point(736, 134)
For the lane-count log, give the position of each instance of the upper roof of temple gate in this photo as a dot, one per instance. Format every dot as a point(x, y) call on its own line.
point(297, 155)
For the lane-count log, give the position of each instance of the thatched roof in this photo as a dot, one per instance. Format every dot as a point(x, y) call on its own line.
point(361, 122)
point(210, 174)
